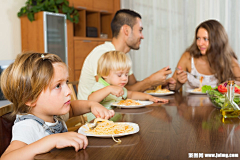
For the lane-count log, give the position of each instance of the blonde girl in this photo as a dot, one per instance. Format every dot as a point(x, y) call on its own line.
point(36, 84)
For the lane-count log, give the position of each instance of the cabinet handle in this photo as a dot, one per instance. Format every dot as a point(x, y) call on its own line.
point(80, 7)
point(86, 40)
point(104, 11)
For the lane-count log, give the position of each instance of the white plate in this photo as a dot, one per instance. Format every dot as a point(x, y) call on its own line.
point(141, 110)
point(134, 125)
point(160, 94)
point(143, 103)
point(191, 91)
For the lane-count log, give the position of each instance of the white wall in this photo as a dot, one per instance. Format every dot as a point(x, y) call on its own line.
point(10, 37)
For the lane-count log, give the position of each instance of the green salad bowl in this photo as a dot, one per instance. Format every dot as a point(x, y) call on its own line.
point(218, 98)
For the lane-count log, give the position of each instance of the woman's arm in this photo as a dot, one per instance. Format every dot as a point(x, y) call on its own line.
point(184, 64)
point(236, 69)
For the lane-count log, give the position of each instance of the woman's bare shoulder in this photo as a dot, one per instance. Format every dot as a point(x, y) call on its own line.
point(235, 62)
point(186, 56)
point(185, 61)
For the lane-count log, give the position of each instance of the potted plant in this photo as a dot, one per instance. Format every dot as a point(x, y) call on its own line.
point(56, 6)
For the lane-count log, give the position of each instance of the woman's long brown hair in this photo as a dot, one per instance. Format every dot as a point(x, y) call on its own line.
point(219, 53)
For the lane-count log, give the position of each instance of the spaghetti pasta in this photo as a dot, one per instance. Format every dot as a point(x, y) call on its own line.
point(158, 90)
point(107, 127)
point(197, 90)
point(128, 102)
point(200, 85)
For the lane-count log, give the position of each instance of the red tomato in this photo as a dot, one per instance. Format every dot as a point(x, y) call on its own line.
point(222, 89)
point(236, 90)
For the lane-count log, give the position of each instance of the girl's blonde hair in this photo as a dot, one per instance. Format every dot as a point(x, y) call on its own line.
point(27, 77)
point(113, 60)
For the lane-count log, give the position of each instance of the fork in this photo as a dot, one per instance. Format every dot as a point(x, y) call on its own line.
point(94, 125)
point(195, 76)
point(124, 98)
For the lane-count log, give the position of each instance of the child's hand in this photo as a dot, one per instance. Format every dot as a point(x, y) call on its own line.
point(116, 90)
point(71, 139)
point(156, 99)
point(101, 112)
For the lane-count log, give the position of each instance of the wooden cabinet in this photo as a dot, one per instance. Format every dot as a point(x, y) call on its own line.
point(81, 3)
point(93, 13)
point(101, 5)
point(97, 14)
point(34, 39)
point(82, 47)
point(81, 50)
point(32, 33)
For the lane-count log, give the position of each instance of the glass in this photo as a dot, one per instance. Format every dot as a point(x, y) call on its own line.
point(230, 109)
point(56, 37)
point(230, 90)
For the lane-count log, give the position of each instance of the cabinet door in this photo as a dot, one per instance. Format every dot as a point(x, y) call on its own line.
point(103, 5)
point(81, 49)
point(32, 33)
point(77, 75)
point(81, 3)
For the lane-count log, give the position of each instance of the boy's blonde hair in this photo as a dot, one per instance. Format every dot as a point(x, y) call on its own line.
point(27, 77)
point(113, 60)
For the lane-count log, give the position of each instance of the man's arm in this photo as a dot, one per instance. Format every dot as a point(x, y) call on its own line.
point(134, 85)
point(96, 77)
point(157, 78)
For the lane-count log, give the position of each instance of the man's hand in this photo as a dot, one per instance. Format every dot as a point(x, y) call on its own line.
point(159, 77)
point(170, 84)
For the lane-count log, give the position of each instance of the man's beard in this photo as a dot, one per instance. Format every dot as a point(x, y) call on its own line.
point(134, 47)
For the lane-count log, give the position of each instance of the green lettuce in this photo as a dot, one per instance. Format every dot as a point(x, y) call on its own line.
point(206, 88)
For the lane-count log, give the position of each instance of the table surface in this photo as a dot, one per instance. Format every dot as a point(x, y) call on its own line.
point(187, 124)
point(4, 102)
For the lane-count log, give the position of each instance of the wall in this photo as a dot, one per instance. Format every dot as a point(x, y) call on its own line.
point(10, 39)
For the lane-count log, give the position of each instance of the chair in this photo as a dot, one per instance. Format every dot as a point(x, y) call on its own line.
point(75, 122)
point(73, 85)
point(6, 109)
point(6, 123)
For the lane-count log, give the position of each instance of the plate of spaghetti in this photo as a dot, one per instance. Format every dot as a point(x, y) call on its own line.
point(195, 91)
point(158, 91)
point(159, 94)
point(109, 129)
point(129, 103)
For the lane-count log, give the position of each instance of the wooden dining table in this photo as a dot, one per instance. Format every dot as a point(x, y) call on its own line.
point(188, 127)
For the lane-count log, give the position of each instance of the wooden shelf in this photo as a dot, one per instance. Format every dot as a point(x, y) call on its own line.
point(99, 20)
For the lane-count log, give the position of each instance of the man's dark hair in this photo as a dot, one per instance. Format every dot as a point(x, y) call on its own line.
point(122, 17)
